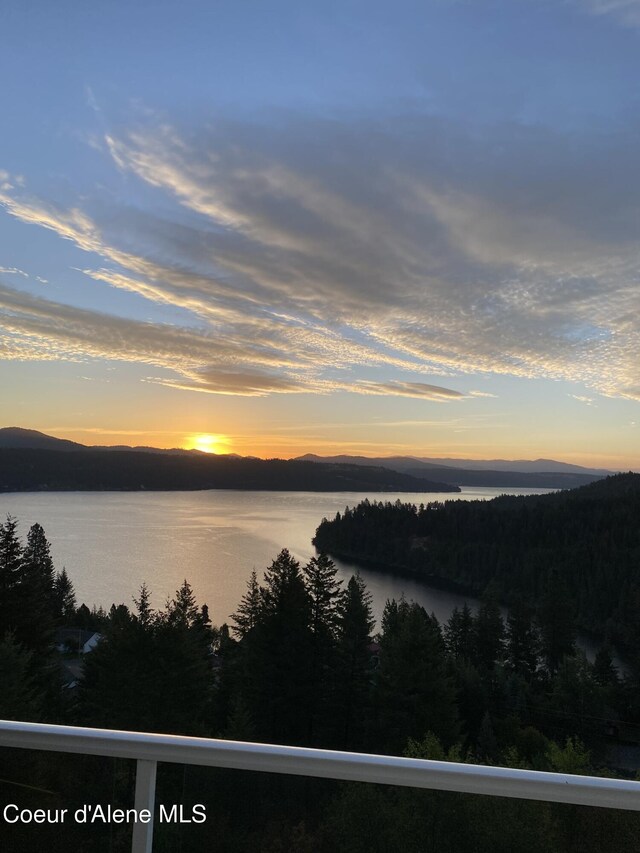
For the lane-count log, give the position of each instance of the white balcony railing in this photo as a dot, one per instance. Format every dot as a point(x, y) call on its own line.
point(148, 749)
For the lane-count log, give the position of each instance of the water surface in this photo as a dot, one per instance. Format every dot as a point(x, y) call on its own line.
point(112, 542)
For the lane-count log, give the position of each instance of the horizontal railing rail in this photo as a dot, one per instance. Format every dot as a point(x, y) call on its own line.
point(149, 749)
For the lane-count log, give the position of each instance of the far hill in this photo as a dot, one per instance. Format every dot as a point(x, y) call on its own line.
point(38, 469)
point(588, 538)
point(531, 466)
point(16, 437)
point(539, 473)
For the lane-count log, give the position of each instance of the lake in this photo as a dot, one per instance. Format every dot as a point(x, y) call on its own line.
point(112, 542)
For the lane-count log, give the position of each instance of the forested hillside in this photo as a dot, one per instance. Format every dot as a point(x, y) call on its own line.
point(29, 469)
point(585, 542)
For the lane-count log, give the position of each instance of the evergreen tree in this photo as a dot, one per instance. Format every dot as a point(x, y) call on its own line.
point(228, 692)
point(391, 616)
point(207, 635)
point(120, 616)
point(352, 683)
point(183, 609)
point(555, 617)
point(185, 678)
point(522, 640)
point(20, 697)
point(248, 613)
point(472, 699)
point(116, 688)
point(240, 725)
point(150, 671)
point(573, 698)
point(415, 692)
point(275, 678)
point(459, 634)
point(323, 590)
point(64, 597)
point(186, 621)
point(11, 557)
point(37, 556)
point(35, 594)
point(225, 643)
point(145, 614)
point(84, 618)
point(489, 635)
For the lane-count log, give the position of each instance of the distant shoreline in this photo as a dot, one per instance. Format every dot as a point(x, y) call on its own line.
point(46, 470)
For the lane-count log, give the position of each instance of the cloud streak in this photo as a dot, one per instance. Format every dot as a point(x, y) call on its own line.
point(39, 329)
point(357, 256)
point(13, 271)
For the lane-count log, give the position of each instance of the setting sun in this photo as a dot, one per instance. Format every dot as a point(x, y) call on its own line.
point(207, 443)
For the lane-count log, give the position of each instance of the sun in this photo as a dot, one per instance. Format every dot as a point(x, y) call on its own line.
point(206, 443)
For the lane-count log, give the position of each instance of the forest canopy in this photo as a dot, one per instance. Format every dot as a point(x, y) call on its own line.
point(586, 539)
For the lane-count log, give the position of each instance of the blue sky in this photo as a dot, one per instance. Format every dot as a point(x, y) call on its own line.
point(357, 227)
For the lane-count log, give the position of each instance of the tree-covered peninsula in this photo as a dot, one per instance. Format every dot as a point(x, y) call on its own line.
point(580, 547)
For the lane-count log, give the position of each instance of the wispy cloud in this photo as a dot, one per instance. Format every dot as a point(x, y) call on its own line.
point(420, 390)
point(625, 11)
point(308, 265)
point(35, 329)
point(13, 271)
point(588, 401)
point(39, 329)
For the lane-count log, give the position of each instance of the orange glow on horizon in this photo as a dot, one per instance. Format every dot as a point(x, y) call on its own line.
point(268, 444)
point(207, 443)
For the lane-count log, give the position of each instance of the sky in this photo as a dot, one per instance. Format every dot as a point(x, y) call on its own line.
point(349, 227)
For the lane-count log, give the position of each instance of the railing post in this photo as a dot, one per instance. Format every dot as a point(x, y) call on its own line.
point(142, 839)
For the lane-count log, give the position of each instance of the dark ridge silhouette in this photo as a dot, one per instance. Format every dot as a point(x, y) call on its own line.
point(27, 469)
point(17, 437)
point(541, 473)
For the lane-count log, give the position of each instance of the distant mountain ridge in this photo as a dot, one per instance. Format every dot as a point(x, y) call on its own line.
point(33, 461)
point(540, 473)
point(397, 463)
point(18, 437)
point(427, 474)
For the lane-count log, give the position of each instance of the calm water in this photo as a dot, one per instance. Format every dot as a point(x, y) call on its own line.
point(110, 542)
